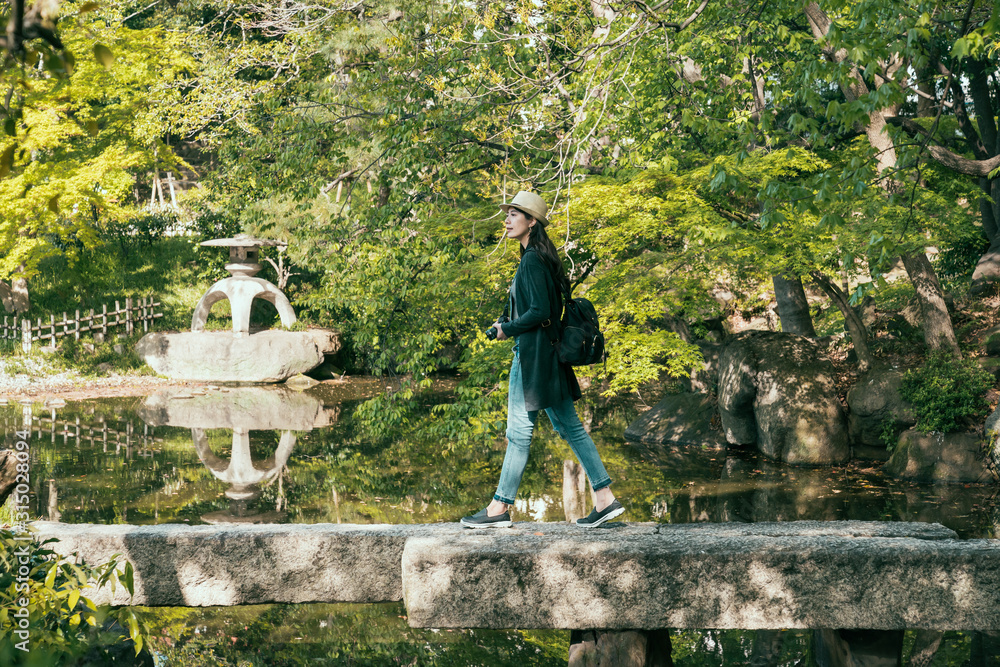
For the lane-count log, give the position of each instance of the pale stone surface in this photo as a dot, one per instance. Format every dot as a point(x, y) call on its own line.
point(940, 457)
point(199, 566)
point(247, 408)
point(776, 391)
point(300, 382)
point(874, 404)
point(241, 290)
point(221, 356)
point(644, 576)
point(682, 419)
point(227, 565)
point(687, 579)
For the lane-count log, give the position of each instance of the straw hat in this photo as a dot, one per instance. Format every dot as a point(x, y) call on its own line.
point(529, 203)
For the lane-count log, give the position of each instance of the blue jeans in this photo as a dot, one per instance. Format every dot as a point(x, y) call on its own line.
point(521, 424)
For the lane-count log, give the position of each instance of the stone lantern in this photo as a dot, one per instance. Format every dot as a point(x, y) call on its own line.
point(237, 356)
point(241, 288)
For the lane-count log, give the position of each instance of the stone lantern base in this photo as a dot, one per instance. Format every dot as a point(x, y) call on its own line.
point(221, 356)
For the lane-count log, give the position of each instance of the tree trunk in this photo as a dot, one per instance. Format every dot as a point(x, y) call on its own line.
point(937, 323)
point(925, 646)
point(938, 331)
point(574, 491)
point(7, 296)
point(987, 272)
point(793, 308)
point(19, 292)
point(848, 648)
point(855, 327)
point(8, 474)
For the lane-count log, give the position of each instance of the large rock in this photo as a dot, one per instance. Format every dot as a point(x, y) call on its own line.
point(777, 392)
point(991, 341)
point(246, 408)
point(875, 406)
point(939, 457)
point(992, 448)
point(704, 376)
point(680, 419)
point(220, 356)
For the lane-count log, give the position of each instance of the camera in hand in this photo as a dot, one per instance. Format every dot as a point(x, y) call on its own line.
point(491, 333)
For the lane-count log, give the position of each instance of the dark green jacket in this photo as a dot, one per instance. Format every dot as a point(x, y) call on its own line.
point(536, 299)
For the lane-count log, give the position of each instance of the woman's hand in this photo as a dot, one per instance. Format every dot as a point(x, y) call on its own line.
point(500, 334)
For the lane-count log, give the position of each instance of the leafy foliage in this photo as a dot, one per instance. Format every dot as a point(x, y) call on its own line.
point(82, 138)
point(63, 623)
point(947, 393)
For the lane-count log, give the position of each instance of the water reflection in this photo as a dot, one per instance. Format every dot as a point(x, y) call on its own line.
point(272, 454)
point(241, 409)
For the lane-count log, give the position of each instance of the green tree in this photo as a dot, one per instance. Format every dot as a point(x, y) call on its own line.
point(85, 133)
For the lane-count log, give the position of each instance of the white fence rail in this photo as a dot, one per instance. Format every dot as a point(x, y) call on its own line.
point(134, 312)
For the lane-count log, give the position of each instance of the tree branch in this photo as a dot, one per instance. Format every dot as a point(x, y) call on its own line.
point(681, 26)
point(945, 157)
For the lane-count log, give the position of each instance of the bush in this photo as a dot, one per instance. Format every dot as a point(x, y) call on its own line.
point(65, 626)
point(947, 393)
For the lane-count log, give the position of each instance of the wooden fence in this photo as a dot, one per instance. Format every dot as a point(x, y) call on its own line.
point(122, 434)
point(129, 316)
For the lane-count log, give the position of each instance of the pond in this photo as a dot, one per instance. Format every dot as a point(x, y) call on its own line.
point(256, 455)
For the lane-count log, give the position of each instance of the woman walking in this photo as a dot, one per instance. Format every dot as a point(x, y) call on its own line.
point(537, 380)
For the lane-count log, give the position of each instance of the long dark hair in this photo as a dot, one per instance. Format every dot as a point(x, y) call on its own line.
point(539, 240)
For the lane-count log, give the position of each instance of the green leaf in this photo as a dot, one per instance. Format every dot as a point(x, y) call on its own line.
point(960, 48)
point(129, 579)
point(74, 598)
point(50, 578)
point(7, 160)
point(103, 55)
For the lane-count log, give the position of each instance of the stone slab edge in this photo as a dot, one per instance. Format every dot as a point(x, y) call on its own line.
point(195, 566)
point(692, 579)
point(184, 565)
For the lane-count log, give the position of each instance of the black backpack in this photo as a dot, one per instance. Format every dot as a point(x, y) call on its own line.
point(582, 342)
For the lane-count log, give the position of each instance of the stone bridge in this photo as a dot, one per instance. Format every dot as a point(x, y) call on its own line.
point(639, 577)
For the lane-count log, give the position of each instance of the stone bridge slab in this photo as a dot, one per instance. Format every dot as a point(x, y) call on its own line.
point(705, 576)
point(541, 575)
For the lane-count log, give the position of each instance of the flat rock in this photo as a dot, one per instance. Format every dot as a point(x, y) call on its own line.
point(681, 419)
point(199, 566)
point(549, 575)
point(220, 356)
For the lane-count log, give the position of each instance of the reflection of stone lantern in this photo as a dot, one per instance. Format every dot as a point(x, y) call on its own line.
point(241, 409)
point(240, 472)
point(241, 288)
point(238, 356)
